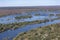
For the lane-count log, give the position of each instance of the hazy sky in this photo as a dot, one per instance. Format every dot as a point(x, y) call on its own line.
point(28, 2)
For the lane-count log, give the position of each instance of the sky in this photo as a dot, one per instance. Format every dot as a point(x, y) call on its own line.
point(6, 3)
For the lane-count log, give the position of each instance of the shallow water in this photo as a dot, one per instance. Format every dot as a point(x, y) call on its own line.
point(13, 33)
point(11, 18)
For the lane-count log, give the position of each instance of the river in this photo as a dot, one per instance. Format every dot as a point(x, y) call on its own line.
point(12, 33)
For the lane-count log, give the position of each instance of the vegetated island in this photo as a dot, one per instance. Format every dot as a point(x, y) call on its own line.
point(23, 17)
point(13, 26)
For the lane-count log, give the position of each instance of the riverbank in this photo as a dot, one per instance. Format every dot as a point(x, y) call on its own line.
point(51, 32)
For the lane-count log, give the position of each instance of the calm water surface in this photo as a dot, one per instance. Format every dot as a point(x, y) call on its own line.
point(12, 33)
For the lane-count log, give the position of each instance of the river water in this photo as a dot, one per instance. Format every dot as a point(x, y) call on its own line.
point(12, 33)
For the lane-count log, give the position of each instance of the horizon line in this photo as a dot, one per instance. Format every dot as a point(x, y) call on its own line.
point(30, 6)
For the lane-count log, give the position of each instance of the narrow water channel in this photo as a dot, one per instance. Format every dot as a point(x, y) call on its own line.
point(12, 33)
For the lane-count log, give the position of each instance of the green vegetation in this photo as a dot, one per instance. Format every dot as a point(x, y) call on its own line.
point(57, 14)
point(51, 32)
point(23, 17)
point(55, 19)
point(37, 14)
point(51, 14)
point(4, 27)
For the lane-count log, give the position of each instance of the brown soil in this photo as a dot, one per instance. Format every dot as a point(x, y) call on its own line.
point(15, 10)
